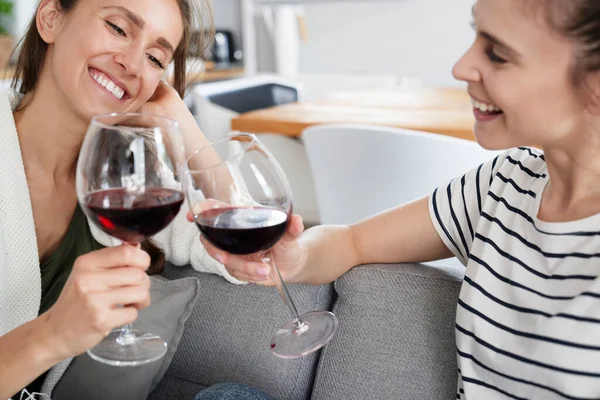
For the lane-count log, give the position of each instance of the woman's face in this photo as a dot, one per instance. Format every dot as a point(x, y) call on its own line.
point(110, 55)
point(519, 77)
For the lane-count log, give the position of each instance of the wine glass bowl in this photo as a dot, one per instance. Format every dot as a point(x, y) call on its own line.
point(242, 204)
point(128, 185)
point(239, 230)
point(149, 213)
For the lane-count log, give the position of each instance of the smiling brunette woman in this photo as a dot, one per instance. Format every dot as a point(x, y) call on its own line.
point(59, 290)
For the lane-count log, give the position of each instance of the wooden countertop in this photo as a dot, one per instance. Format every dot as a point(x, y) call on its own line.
point(444, 111)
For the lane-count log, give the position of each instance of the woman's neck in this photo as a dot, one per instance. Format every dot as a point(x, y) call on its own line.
point(50, 133)
point(574, 169)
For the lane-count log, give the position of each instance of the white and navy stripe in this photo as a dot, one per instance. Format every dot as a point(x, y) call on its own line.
point(528, 316)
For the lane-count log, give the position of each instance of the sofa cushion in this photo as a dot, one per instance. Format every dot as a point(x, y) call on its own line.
point(396, 335)
point(227, 337)
point(170, 306)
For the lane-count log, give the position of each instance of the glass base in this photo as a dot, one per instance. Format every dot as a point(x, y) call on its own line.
point(138, 349)
point(293, 340)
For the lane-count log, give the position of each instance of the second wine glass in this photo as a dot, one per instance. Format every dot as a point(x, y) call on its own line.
point(242, 204)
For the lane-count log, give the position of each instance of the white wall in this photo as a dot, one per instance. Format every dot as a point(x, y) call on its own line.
point(227, 14)
point(24, 10)
point(414, 38)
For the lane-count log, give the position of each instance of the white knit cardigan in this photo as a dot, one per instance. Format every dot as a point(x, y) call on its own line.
point(20, 279)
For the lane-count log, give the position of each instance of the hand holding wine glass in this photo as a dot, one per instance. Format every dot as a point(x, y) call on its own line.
point(127, 185)
point(88, 302)
point(242, 204)
point(286, 253)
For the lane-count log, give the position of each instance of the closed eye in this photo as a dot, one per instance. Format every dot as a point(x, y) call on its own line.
point(116, 29)
point(493, 57)
point(156, 61)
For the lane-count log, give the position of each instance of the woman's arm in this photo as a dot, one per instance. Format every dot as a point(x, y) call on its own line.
point(166, 102)
point(403, 234)
point(432, 228)
point(26, 353)
point(88, 308)
point(324, 253)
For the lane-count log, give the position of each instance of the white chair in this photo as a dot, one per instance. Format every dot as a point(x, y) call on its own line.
point(214, 109)
point(362, 170)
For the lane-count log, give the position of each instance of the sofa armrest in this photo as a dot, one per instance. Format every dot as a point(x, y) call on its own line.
point(396, 335)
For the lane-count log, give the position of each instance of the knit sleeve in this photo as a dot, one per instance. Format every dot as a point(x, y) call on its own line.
point(181, 241)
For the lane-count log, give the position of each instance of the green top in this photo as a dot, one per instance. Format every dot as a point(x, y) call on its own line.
point(56, 269)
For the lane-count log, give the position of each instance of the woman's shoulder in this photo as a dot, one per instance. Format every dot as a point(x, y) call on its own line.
point(522, 169)
point(526, 159)
point(527, 153)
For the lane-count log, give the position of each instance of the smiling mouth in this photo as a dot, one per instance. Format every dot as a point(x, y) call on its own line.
point(485, 108)
point(111, 87)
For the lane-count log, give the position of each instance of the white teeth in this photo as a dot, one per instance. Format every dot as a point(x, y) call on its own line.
point(484, 107)
point(118, 92)
point(109, 85)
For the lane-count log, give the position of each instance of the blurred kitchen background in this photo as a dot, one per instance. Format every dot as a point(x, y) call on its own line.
point(416, 39)
point(340, 91)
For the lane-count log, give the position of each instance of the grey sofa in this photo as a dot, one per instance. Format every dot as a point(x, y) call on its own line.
point(395, 338)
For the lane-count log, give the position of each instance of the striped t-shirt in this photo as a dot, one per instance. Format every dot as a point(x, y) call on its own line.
point(528, 316)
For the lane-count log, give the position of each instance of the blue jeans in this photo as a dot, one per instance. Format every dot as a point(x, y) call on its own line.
point(231, 391)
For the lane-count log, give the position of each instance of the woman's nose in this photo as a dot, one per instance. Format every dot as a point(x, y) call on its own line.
point(131, 59)
point(465, 68)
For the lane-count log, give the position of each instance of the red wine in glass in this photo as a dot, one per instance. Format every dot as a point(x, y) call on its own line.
point(134, 217)
point(250, 210)
point(128, 166)
point(245, 230)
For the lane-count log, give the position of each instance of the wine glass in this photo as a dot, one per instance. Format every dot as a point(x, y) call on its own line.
point(242, 204)
point(127, 185)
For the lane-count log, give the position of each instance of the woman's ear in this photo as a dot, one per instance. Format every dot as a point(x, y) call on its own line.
point(593, 93)
point(47, 20)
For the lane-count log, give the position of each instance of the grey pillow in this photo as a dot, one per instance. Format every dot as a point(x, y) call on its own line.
point(171, 305)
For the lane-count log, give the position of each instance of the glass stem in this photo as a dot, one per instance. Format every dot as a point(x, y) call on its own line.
point(126, 336)
point(282, 289)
